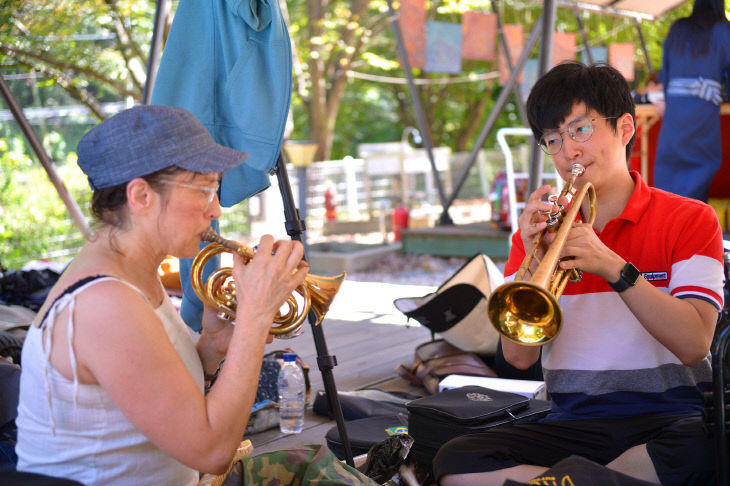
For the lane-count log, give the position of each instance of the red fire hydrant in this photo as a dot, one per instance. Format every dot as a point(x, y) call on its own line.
point(400, 221)
point(329, 203)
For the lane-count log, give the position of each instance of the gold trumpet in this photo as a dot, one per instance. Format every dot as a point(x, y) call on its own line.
point(526, 310)
point(316, 292)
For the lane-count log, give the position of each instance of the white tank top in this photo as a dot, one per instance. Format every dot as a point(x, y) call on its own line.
point(72, 430)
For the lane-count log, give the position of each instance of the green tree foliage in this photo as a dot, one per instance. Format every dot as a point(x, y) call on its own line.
point(33, 220)
point(92, 52)
point(102, 55)
point(329, 37)
point(335, 39)
point(95, 50)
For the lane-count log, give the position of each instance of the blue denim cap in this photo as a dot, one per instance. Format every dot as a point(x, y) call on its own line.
point(148, 138)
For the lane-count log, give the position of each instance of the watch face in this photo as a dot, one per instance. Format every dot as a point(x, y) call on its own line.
point(630, 273)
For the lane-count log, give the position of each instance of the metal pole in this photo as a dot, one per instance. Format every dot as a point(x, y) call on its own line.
point(546, 60)
point(161, 10)
point(505, 47)
point(643, 44)
point(583, 36)
point(425, 132)
point(302, 179)
point(498, 105)
point(295, 226)
point(45, 160)
point(719, 351)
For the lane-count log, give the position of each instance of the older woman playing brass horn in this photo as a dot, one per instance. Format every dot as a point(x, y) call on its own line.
point(112, 380)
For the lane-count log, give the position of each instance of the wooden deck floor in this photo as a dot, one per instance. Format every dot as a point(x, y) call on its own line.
point(367, 335)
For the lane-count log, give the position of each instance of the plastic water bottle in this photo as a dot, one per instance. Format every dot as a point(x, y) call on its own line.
point(291, 396)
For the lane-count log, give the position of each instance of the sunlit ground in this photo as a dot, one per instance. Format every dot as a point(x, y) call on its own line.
point(373, 302)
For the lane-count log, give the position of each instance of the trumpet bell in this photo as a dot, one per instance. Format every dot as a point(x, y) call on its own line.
point(525, 313)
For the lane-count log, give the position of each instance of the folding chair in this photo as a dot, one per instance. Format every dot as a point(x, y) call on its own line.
point(714, 413)
point(720, 399)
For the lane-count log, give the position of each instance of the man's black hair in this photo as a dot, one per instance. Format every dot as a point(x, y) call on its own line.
point(599, 86)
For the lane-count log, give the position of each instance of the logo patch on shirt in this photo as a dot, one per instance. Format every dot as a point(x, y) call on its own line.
point(655, 276)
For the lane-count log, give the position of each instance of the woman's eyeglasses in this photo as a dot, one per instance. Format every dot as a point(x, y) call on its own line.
point(210, 191)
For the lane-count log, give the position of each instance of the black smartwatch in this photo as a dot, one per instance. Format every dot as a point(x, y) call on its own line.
point(629, 276)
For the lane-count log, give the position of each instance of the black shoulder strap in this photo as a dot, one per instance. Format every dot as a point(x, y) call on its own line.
point(70, 289)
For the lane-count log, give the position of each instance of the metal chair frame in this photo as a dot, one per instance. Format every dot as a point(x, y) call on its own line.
point(719, 352)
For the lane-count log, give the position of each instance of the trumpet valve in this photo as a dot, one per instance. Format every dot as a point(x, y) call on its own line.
point(553, 214)
point(575, 275)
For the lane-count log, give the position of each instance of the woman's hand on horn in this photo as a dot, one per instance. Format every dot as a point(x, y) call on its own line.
point(269, 278)
point(217, 332)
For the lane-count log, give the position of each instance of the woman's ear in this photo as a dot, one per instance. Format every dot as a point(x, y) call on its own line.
point(626, 127)
point(140, 195)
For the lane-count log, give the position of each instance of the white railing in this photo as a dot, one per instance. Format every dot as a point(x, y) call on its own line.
point(515, 207)
point(368, 186)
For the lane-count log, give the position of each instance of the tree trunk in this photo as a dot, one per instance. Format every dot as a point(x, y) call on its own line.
point(328, 67)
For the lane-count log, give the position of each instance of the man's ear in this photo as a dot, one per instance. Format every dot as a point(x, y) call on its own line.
point(140, 195)
point(626, 127)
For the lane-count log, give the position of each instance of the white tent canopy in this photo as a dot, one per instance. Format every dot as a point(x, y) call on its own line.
point(647, 9)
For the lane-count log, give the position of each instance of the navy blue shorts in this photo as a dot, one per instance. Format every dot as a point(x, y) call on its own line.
point(680, 449)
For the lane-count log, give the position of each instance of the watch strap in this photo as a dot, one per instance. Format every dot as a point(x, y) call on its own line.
point(629, 276)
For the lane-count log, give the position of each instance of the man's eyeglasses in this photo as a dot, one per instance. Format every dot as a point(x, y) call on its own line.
point(210, 191)
point(579, 130)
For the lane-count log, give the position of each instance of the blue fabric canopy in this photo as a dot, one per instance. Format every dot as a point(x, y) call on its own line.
point(229, 63)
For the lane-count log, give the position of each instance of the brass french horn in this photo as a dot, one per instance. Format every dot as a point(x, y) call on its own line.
point(315, 293)
point(526, 310)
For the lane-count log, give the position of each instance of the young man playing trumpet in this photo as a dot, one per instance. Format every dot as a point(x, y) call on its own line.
point(626, 372)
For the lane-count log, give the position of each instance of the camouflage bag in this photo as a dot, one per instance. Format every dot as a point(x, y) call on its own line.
point(299, 466)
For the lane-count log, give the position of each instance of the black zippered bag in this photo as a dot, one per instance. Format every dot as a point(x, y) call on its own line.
point(364, 433)
point(468, 406)
point(436, 419)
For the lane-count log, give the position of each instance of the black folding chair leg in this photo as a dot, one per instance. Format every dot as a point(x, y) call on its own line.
point(719, 352)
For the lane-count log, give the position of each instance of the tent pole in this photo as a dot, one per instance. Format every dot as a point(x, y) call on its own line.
point(643, 45)
point(546, 60)
point(498, 105)
point(161, 11)
point(45, 160)
point(583, 36)
point(505, 48)
point(425, 132)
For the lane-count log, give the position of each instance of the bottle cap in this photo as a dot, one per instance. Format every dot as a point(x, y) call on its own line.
point(289, 357)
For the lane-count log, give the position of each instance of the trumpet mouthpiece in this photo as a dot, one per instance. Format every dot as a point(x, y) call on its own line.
point(577, 169)
point(210, 235)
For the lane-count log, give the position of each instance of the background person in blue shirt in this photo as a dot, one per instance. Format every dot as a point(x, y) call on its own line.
point(696, 54)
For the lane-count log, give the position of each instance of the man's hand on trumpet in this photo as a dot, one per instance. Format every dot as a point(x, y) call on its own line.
point(533, 219)
point(585, 251)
